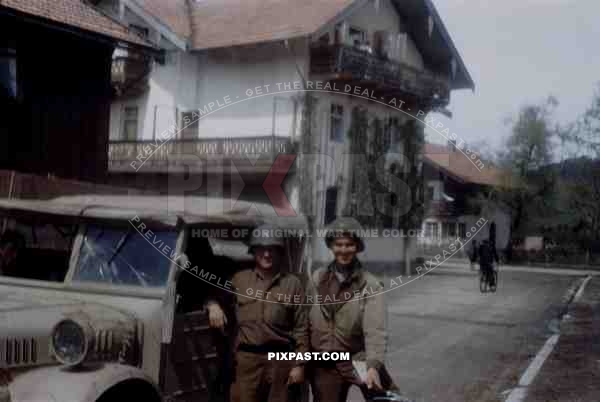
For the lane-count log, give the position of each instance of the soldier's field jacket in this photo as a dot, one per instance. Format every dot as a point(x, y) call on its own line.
point(273, 314)
point(349, 316)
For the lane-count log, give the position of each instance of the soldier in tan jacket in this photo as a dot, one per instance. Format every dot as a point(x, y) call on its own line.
point(270, 317)
point(348, 316)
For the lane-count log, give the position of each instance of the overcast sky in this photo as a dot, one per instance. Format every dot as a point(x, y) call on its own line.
point(518, 52)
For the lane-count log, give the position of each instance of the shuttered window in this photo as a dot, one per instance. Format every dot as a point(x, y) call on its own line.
point(130, 123)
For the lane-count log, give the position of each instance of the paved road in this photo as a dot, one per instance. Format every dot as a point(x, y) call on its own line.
point(448, 342)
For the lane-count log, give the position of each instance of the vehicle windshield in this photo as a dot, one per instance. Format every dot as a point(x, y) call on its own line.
point(123, 257)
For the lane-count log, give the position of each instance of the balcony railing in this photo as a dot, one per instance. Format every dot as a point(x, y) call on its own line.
point(255, 154)
point(390, 77)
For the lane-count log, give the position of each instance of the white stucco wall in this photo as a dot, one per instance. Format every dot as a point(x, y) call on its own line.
point(233, 71)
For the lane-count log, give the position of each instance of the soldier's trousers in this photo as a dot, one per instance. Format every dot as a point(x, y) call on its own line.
point(330, 382)
point(258, 379)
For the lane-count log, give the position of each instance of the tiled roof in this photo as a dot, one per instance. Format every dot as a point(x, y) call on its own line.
point(75, 13)
point(462, 167)
point(172, 13)
point(222, 23)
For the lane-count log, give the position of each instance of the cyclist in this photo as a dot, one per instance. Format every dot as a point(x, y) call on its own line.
point(473, 254)
point(487, 255)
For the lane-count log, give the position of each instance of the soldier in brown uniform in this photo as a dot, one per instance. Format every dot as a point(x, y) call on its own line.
point(271, 318)
point(348, 316)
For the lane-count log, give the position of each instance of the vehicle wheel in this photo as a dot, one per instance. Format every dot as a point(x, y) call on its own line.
point(482, 282)
point(130, 390)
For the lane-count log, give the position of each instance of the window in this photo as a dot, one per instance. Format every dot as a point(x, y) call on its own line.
point(330, 205)
point(357, 36)
point(336, 129)
point(8, 73)
point(462, 230)
point(130, 123)
point(189, 124)
point(381, 43)
point(431, 230)
point(451, 229)
point(139, 30)
point(430, 192)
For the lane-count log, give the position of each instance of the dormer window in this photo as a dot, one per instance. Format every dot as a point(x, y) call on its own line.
point(357, 36)
point(139, 30)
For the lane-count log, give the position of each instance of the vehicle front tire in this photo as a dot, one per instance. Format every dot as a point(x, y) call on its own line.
point(131, 390)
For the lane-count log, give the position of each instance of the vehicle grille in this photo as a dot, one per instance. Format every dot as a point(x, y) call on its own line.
point(105, 345)
point(18, 351)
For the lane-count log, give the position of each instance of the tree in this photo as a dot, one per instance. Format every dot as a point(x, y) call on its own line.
point(580, 178)
point(529, 148)
point(584, 136)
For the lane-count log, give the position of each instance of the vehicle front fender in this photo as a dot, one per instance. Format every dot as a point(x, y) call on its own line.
point(84, 384)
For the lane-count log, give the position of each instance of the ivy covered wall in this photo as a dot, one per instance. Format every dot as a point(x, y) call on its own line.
point(383, 192)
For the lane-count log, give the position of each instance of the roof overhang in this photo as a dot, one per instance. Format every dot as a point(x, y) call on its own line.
point(437, 49)
point(160, 26)
point(82, 33)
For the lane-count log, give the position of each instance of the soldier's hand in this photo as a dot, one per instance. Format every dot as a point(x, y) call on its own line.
point(296, 375)
point(216, 316)
point(373, 380)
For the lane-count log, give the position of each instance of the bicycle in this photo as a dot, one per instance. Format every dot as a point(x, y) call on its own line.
point(372, 395)
point(485, 281)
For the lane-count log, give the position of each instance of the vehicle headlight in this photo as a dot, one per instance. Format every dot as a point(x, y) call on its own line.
point(71, 341)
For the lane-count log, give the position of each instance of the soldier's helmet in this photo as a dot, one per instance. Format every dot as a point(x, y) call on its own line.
point(265, 236)
point(345, 227)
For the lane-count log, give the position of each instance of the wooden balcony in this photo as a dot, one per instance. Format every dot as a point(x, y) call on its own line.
point(249, 154)
point(389, 78)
